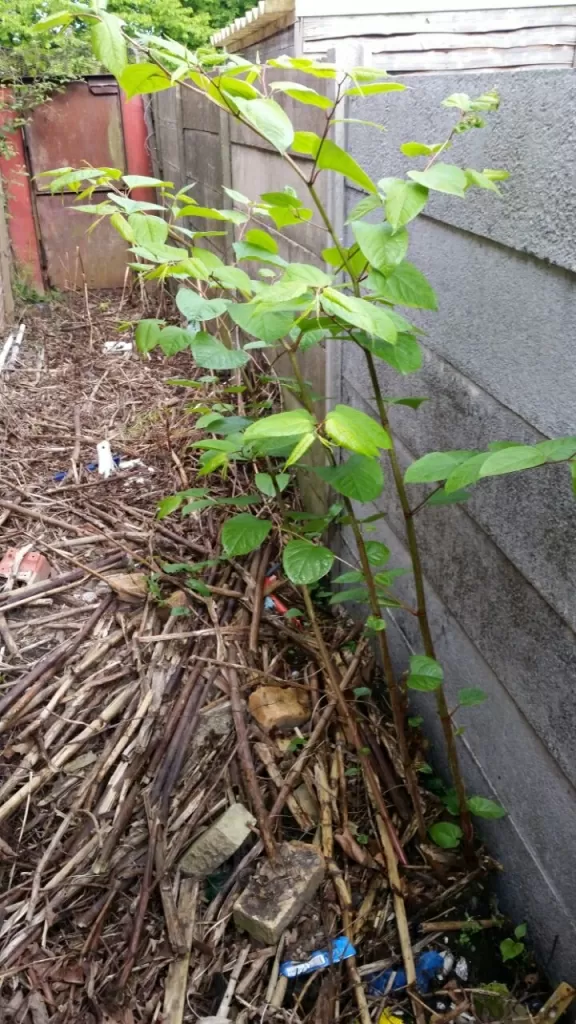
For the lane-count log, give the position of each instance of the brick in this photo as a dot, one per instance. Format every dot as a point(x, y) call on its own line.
point(279, 891)
point(277, 707)
point(32, 567)
point(218, 843)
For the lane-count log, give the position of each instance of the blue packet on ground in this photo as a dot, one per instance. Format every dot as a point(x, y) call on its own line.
point(428, 966)
point(340, 949)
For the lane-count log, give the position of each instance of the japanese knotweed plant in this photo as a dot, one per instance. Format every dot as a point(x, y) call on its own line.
point(259, 301)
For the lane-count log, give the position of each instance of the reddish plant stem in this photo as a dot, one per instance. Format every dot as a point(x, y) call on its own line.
point(396, 700)
point(423, 620)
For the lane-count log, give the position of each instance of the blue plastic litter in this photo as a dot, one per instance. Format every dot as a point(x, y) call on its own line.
point(428, 966)
point(340, 949)
point(91, 468)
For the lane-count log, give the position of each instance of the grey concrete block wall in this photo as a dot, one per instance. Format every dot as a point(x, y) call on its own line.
point(499, 363)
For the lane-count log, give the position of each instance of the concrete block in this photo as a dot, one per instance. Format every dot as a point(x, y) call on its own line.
point(530, 516)
point(279, 891)
point(218, 843)
point(525, 136)
point(277, 707)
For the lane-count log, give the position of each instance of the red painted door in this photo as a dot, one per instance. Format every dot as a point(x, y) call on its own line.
point(80, 126)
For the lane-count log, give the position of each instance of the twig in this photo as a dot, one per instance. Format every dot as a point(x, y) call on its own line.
point(177, 977)
point(247, 764)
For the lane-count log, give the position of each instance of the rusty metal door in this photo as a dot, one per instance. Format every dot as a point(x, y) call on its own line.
point(82, 125)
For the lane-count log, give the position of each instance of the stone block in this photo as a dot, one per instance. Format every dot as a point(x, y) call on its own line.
point(218, 843)
point(277, 707)
point(279, 891)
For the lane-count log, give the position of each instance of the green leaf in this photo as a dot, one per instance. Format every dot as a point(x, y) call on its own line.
point(420, 148)
point(208, 212)
point(300, 449)
point(244, 533)
point(246, 251)
point(405, 285)
point(144, 181)
point(365, 205)
point(356, 594)
point(466, 473)
point(268, 118)
point(302, 93)
point(415, 721)
point(195, 307)
point(510, 949)
point(330, 157)
point(375, 89)
point(520, 931)
point(308, 274)
point(360, 313)
point(354, 576)
point(318, 69)
point(460, 100)
point(446, 834)
point(267, 325)
point(405, 356)
point(211, 354)
point(173, 340)
point(558, 450)
point(375, 624)
point(362, 691)
point(442, 498)
point(265, 483)
point(496, 175)
point(140, 79)
point(122, 226)
point(435, 466)
point(53, 21)
point(356, 431)
point(442, 178)
point(148, 230)
point(383, 247)
point(376, 552)
point(511, 460)
point(359, 478)
point(481, 180)
point(482, 807)
point(305, 562)
point(411, 403)
point(233, 277)
point(283, 424)
point(262, 239)
point(147, 335)
point(404, 201)
point(471, 698)
point(108, 43)
point(166, 506)
point(425, 674)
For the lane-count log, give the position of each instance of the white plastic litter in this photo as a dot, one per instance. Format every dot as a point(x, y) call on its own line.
point(117, 347)
point(461, 968)
point(11, 348)
point(106, 464)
